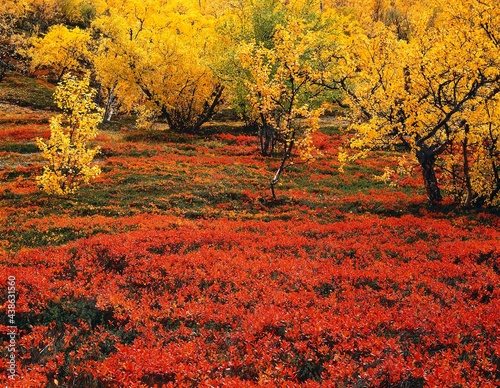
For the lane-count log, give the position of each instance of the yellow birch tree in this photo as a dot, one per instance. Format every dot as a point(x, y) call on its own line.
point(434, 92)
point(62, 49)
point(163, 50)
point(67, 150)
point(290, 83)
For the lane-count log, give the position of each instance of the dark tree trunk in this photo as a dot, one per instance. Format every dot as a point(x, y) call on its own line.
point(465, 155)
point(59, 77)
point(267, 137)
point(179, 121)
point(427, 160)
point(210, 107)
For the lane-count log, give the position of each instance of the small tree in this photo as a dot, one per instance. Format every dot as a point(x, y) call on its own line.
point(67, 149)
point(287, 87)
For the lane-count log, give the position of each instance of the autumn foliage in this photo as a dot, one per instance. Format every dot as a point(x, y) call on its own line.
point(154, 278)
point(310, 303)
point(421, 77)
point(67, 151)
point(428, 81)
point(163, 260)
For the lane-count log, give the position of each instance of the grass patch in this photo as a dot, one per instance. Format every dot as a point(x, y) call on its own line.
point(20, 148)
point(25, 91)
point(331, 130)
point(156, 136)
point(34, 238)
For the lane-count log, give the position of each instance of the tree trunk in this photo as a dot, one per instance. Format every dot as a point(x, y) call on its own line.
point(287, 152)
point(267, 137)
point(210, 107)
point(110, 103)
point(465, 155)
point(427, 160)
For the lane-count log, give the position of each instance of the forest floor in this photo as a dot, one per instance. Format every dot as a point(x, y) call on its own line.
point(177, 268)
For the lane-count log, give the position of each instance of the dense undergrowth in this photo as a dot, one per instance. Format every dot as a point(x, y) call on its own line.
point(176, 268)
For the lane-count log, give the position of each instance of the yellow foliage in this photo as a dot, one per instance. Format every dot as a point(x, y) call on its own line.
point(164, 53)
point(281, 78)
point(161, 52)
point(290, 83)
point(419, 74)
point(70, 159)
point(12, 11)
point(61, 49)
point(431, 91)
